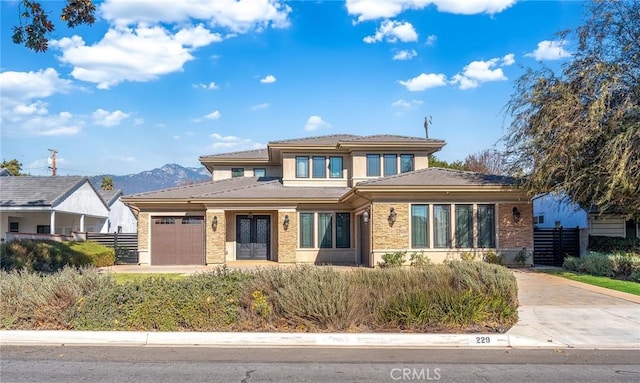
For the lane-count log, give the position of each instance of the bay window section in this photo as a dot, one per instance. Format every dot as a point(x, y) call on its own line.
point(319, 167)
point(406, 163)
point(373, 165)
point(464, 226)
point(302, 167)
point(486, 226)
point(441, 226)
point(324, 230)
point(419, 226)
point(343, 230)
point(390, 165)
point(306, 230)
point(335, 167)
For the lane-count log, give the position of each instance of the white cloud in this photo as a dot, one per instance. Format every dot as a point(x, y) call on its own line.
point(61, 124)
point(405, 55)
point(550, 50)
point(268, 79)
point(401, 103)
point(392, 31)
point(377, 9)
point(138, 121)
point(23, 86)
point(431, 40)
point(233, 143)
point(508, 59)
point(105, 118)
point(215, 115)
point(478, 72)
point(315, 123)
point(264, 105)
point(138, 54)
point(210, 86)
point(424, 81)
point(237, 15)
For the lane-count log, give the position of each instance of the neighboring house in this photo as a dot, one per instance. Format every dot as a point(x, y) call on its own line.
point(332, 199)
point(551, 211)
point(612, 223)
point(121, 218)
point(49, 205)
point(4, 172)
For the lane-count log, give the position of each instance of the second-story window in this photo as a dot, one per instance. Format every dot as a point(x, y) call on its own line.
point(406, 163)
point(390, 164)
point(237, 172)
point(302, 167)
point(373, 165)
point(259, 172)
point(319, 167)
point(335, 167)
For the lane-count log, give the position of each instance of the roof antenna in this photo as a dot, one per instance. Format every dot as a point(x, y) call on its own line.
point(427, 121)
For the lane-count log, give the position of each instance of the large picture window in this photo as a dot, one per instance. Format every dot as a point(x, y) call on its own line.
point(302, 167)
point(390, 164)
point(373, 165)
point(319, 167)
point(419, 226)
point(486, 226)
point(464, 226)
point(306, 230)
point(325, 227)
point(335, 167)
point(441, 226)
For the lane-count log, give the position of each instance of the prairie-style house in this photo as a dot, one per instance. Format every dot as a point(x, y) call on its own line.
point(336, 199)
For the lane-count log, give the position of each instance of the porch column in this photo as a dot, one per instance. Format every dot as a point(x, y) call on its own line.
point(82, 222)
point(287, 237)
point(52, 223)
point(215, 236)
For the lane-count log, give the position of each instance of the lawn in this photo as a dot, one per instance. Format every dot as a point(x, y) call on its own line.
point(606, 282)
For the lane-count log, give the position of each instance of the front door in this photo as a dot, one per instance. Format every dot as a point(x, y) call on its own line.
point(252, 237)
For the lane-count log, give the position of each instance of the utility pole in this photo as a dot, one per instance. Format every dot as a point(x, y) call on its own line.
point(53, 161)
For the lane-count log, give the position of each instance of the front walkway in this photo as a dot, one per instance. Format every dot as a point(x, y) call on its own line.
point(558, 310)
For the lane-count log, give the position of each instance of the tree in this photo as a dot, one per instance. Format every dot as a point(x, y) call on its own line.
point(13, 166)
point(107, 183)
point(486, 162)
point(578, 131)
point(435, 162)
point(35, 27)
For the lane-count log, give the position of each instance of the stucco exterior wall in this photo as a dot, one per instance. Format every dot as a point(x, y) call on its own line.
point(84, 200)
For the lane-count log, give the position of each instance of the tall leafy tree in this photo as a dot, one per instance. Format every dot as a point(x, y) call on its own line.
point(435, 162)
point(578, 131)
point(35, 27)
point(13, 166)
point(487, 162)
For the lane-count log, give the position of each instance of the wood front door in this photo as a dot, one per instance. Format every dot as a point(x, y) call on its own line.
point(253, 235)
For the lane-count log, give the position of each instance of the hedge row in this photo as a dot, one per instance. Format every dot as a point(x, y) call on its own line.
point(603, 244)
point(625, 266)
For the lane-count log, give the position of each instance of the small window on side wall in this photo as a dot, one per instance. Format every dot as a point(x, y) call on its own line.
point(237, 172)
point(259, 172)
point(14, 227)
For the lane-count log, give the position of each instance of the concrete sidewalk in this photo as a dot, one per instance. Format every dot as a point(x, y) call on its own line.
point(554, 312)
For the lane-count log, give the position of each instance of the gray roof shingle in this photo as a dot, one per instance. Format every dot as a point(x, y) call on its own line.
point(109, 196)
point(332, 139)
point(37, 190)
point(380, 138)
point(245, 154)
point(440, 177)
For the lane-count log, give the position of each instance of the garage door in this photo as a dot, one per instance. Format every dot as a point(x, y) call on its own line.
point(177, 241)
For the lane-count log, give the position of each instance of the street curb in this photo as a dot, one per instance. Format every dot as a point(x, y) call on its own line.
point(262, 339)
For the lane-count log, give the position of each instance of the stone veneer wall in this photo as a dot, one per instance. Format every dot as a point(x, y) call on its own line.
point(215, 241)
point(513, 235)
point(389, 237)
point(143, 232)
point(287, 239)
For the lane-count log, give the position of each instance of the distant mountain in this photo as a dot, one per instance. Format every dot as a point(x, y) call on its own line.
point(170, 175)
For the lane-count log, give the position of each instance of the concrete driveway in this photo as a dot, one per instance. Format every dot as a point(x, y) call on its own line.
point(568, 313)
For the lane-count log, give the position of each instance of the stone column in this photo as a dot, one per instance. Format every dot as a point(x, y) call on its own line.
point(287, 238)
point(215, 236)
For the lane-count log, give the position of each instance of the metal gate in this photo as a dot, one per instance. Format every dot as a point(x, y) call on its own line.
point(125, 245)
point(551, 246)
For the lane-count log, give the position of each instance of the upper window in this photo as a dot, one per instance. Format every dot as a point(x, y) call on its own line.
point(259, 172)
point(373, 165)
point(237, 172)
point(406, 163)
point(302, 167)
point(390, 164)
point(319, 167)
point(14, 227)
point(335, 167)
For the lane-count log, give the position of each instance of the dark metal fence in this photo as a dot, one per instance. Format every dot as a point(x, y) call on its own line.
point(551, 246)
point(125, 245)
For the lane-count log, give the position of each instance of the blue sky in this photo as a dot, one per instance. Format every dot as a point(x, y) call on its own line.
point(163, 81)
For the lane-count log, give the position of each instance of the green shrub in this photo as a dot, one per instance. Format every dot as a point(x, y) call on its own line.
point(573, 264)
point(492, 257)
point(395, 259)
point(48, 256)
point(98, 255)
point(620, 265)
point(419, 259)
point(468, 256)
point(604, 244)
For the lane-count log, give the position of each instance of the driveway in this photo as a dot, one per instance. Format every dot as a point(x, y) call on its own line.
point(568, 313)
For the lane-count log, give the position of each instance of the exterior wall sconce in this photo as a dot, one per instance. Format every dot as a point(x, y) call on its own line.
point(365, 216)
point(214, 223)
point(392, 216)
point(285, 223)
point(516, 214)
point(250, 215)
